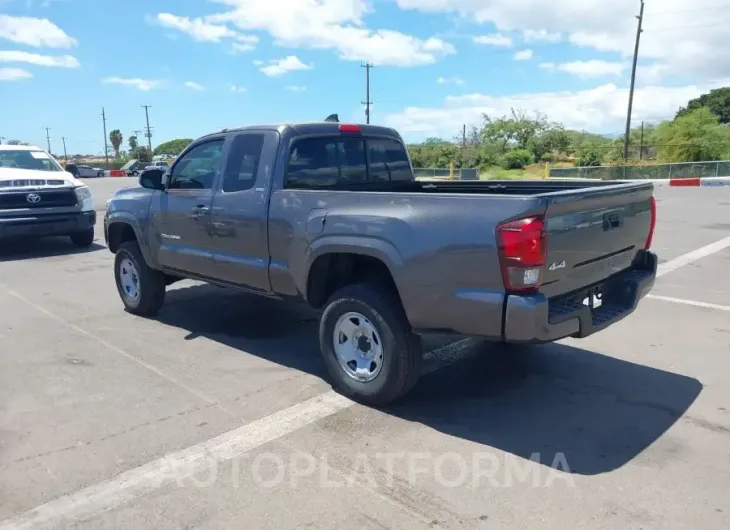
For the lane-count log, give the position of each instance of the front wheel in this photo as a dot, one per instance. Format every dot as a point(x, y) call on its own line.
point(83, 239)
point(141, 288)
point(368, 346)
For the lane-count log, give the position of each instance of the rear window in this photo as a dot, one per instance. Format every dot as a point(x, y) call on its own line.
point(327, 162)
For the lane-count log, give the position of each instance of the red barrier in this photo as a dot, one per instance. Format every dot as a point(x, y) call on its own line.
point(684, 182)
point(117, 173)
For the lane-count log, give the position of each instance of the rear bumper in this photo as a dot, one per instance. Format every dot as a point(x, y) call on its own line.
point(46, 225)
point(535, 318)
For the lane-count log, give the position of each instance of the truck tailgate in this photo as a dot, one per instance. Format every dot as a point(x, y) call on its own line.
point(593, 233)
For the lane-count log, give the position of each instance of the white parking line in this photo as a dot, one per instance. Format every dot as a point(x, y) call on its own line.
point(689, 302)
point(691, 257)
point(175, 467)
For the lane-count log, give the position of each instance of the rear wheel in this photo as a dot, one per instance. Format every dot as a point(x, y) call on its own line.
point(83, 239)
point(141, 288)
point(368, 346)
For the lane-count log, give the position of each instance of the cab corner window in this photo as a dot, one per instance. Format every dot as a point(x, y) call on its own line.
point(243, 162)
point(197, 168)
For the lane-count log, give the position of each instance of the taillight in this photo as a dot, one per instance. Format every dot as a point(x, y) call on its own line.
point(652, 223)
point(522, 249)
point(349, 128)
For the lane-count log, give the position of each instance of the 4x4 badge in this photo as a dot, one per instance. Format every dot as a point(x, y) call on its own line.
point(556, 266)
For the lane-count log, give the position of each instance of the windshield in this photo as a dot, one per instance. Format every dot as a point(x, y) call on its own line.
point(25, 159)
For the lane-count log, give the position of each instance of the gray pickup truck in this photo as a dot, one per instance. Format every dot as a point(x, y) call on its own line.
point(330, 214)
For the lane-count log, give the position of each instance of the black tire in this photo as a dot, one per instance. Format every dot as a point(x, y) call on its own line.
point(135, 173)
point(403, 354)
point(83, 239)
point(151, 283)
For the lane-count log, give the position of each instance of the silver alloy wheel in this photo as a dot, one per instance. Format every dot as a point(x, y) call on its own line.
point(129, 279)
point(358, 347)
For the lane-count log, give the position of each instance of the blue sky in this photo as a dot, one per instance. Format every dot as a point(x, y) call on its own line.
point(204, 65)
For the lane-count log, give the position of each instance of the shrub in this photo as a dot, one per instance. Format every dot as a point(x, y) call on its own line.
point(589, 158)
point(517, 159)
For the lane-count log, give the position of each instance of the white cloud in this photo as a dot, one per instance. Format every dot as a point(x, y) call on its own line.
point(285, 65)
point(240, 48)
point(192, 85)
point(447, 80)
point(258, 62)
point(587, 69)
point(495, 39)
point(141, 84)
point(331, 25)
point(690, 41)
point(541, 35)
point(58, 61)
point(36, 32)
point(14, 74)
point(238, 89)
point(601, 109)
point(524, 55)
point(197, 28)
point(295, 88)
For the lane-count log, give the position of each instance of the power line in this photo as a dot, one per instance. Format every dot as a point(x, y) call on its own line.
point(633, 81)
point(698, 10)
point(367, 101)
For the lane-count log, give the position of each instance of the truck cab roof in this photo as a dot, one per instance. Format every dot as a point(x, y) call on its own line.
point(312, 128)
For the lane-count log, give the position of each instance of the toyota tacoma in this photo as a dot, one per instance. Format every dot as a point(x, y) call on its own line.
point(331, 214)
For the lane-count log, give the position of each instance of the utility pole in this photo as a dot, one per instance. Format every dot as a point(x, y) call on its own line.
point(463, 136)
point(48, 139)
point(641, 147)
point(367, 101)
point(106, 144)
point(65, 156)
point(633, 81)
point(149, 133)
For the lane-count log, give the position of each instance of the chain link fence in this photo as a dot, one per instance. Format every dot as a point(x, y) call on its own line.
point(657, 171)
point(444, 173)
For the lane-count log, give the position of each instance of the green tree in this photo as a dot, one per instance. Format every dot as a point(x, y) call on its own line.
point(590, 157)
point(115, 137)
point(132, 143)
point(718, 101)
point(693, 137)
point(173, 147)
point(141, 153)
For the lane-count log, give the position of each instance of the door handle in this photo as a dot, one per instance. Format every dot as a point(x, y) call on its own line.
point(199, 211)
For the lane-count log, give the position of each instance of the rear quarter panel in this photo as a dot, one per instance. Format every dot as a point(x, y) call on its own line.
point(440, 249)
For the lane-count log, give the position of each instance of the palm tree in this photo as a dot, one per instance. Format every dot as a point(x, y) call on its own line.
point(115, 137)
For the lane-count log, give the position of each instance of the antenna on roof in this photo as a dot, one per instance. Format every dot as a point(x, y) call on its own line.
point(333, 117)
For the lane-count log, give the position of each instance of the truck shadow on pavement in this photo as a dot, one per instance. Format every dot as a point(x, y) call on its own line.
point(597, 411)
point(22, 249)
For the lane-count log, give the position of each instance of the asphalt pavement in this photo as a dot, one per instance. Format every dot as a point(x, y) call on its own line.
point(217, 413)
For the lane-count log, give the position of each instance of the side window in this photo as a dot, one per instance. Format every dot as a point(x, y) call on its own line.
point(243, 162)
point(197, 168)
point(388, 161)
point(326, 162)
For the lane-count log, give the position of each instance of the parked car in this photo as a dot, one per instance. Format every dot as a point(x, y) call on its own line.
point(83, 171)
point(39, 198)
point(331, 214)
point(158, 165)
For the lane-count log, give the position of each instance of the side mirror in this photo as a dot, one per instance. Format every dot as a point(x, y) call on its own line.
point(151, 179)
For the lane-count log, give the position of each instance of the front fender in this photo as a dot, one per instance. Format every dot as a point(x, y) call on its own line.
point(122, 217)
